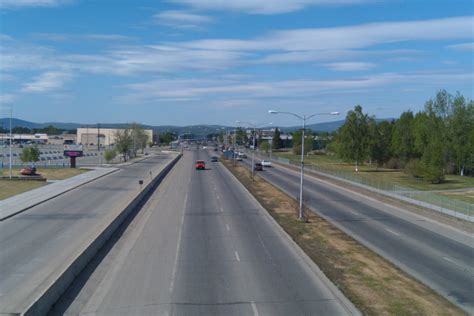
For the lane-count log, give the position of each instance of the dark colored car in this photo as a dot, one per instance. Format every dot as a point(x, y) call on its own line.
point(200, 165)
point(214, 159)
point(258, 167)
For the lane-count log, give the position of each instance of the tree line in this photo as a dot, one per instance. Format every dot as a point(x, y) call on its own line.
point(429, 144)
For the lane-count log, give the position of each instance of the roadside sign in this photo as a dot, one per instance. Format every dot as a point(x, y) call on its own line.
point(73, 150)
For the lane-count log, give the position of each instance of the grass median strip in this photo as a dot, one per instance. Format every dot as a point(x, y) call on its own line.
point(373, 284)
point(9, 188)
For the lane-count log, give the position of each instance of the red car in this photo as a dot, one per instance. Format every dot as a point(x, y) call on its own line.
point(28, 171)
point(200, 165)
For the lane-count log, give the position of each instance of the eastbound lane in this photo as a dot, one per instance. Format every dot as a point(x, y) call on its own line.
point(38, 243)
point(439, 257)
point(201, 246)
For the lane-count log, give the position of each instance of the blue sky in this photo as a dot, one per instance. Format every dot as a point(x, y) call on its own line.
point(185, 62)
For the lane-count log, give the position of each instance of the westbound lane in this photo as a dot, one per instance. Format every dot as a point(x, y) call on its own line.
point(440, 257)
point(201, 246)
point(38, 243)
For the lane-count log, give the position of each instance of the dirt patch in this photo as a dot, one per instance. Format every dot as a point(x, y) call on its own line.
point(373, 284)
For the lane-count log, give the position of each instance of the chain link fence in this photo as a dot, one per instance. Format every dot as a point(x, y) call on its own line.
point(433, 200)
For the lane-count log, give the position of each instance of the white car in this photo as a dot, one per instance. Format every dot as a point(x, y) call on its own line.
point(266, 163)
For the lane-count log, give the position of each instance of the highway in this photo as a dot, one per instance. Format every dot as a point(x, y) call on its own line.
point(439, 256)
point(201, 245)
point(36, 244)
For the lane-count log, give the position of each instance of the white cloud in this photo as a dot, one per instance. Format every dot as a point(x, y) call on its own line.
point(155, 59)
point(181, 19)
point(7, 98)
point(46, 82)
point(347, 37)
point(469, 47)
point(59, 37)
point(350, 66)
point(232, 89)
point(261, 6)
point(31, 3)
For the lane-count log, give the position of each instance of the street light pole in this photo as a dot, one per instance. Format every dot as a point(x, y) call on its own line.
point(254, 126)
point(11, 140)
point(302, 169)
point(304, 118)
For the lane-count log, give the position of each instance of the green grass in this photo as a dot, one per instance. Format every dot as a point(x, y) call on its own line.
point(51, 173)
point(467, 196)
point(380, 176)
point(10, 188)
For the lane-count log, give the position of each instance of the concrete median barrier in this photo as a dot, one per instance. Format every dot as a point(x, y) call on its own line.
point(46, 296)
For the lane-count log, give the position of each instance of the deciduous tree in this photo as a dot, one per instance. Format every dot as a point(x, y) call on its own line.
point(353, 136)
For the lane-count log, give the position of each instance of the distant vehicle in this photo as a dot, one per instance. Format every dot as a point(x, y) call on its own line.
point(215, 149)
point(242, 155)
point(200, 165)
point(266, 163)
point(204, 147)
point(28, 171)
point(214, 159)
point(258, 167)
point(239, 158)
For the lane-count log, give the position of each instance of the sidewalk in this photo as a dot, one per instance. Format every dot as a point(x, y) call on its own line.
point(21, 202)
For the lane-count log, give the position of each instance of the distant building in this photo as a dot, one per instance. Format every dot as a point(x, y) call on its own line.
point(25, 138)
point(106, 136)
point(62, 139)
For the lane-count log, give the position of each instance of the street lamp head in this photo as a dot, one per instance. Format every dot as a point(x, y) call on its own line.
point(334, 113)
point(273, 112)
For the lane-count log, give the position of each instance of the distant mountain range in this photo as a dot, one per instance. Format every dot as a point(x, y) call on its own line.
point(193, 129)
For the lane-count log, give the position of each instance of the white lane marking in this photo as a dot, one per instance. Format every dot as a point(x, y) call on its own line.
point(227, 227)
point(237, 256)
point(392, 232)
point(222, 209)
point(451, 260)
point(254, 309)
point(175, 264)
point(217, 196)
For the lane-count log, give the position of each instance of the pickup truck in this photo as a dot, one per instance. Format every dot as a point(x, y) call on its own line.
point(200, 165)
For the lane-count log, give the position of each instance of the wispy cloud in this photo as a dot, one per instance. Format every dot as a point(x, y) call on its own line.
point(60, 37)
point(31, 3)
point(181, 19)
point(348, 37)
point(46, 82)
point(463, 47)
point(7, 98)
point(262, 6)
point(232, 89)
point(350, 66)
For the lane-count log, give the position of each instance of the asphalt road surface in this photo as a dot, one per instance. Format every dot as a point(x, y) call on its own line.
point(200, 246)
point(440, 257)
point(36, 243)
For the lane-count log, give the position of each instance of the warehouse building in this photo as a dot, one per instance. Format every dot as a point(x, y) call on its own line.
point(105, 136)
